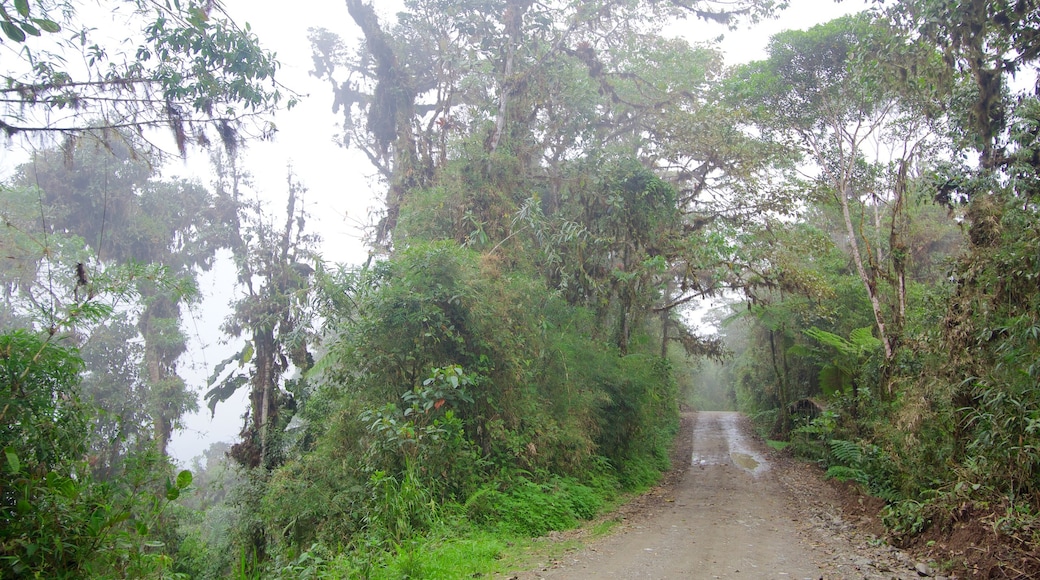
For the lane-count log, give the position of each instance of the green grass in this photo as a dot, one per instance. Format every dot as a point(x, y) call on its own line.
point(470, 551)
point(777, 445)
point(479, 554)
point(604, 527)
point(500, 529)
point(484, 553)
point(474, 557)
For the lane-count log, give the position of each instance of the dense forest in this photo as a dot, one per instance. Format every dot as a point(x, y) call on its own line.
point(563, 186)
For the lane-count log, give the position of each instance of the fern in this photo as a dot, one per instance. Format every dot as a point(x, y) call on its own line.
point(851, 353)
point(863, 339)
point(864, 465)
point(830, 339)
point(799, 350)
point(833, 380)
point(843, 473)
point(847, 453)
point(885, 491)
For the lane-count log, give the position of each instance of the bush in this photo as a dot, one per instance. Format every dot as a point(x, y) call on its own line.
point(450, 383)
point(543, 389)
point(59, 522)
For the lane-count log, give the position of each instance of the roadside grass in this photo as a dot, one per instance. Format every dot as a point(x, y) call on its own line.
point(522, 524)
point(777, 445)
point(478, 554)
point(485, 554)
point(461, 548)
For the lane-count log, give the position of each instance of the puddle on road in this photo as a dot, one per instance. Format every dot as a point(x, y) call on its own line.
point(734, 448)
point(744, 460)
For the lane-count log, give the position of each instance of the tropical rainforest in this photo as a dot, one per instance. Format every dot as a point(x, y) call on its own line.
point(563, 185)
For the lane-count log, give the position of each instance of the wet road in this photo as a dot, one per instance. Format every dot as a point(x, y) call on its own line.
point(727, 518)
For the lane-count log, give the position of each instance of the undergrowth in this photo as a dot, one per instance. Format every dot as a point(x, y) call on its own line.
point(493, 531)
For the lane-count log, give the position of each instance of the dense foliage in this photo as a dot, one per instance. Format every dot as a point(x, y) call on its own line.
point(919, 382)
point(60, 520)
point(562, 182)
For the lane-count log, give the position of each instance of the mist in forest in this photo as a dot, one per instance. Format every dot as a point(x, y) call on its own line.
point(354, 288)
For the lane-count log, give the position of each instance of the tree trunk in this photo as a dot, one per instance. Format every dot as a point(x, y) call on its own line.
point(513, 19)
point(160, 356)
point(390, 116)
point(869, 283)
point(665, 317)
point(160, 424)
point(781, 388)
point(898, 250)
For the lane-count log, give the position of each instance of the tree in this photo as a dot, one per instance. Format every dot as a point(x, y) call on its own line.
point(819, 95)
point(106, 198)
point(113, 382)
point(575, 86)
point(629, 224)
point(511, 83)
point(59, 520)
point(187, 67)
point(274, 268)
point(988, 40)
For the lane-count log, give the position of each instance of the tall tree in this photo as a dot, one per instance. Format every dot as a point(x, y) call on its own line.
point(866, 132)
point(574, 87)
point(505, 80)
point(989, 329)
point(274, 270)
point(989, 41)
point(108, 199)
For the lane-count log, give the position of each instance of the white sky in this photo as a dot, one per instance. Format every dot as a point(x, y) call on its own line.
point(341, 192)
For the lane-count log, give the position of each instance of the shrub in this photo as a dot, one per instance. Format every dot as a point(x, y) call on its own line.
point(60, 522)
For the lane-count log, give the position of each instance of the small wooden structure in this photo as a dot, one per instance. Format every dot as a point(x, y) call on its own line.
point(809, 408)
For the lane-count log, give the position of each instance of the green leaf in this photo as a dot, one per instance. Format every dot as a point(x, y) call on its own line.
point(12, 460)
point(830, 339)
point(47, 25)
point(30, 29)
point(224, 390)
point(183, 479)
point(864, 338)
point(97, 522)
point(22, 6)
point(833, 380)
point(173, 493)
point(12, 31)
point(220, 368)
point(799, 350)
point(247, 354)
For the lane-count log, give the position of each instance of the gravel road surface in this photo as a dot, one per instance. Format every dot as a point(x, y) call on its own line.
point(735, 511)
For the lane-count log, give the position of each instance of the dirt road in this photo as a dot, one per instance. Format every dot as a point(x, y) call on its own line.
point(733, 513)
